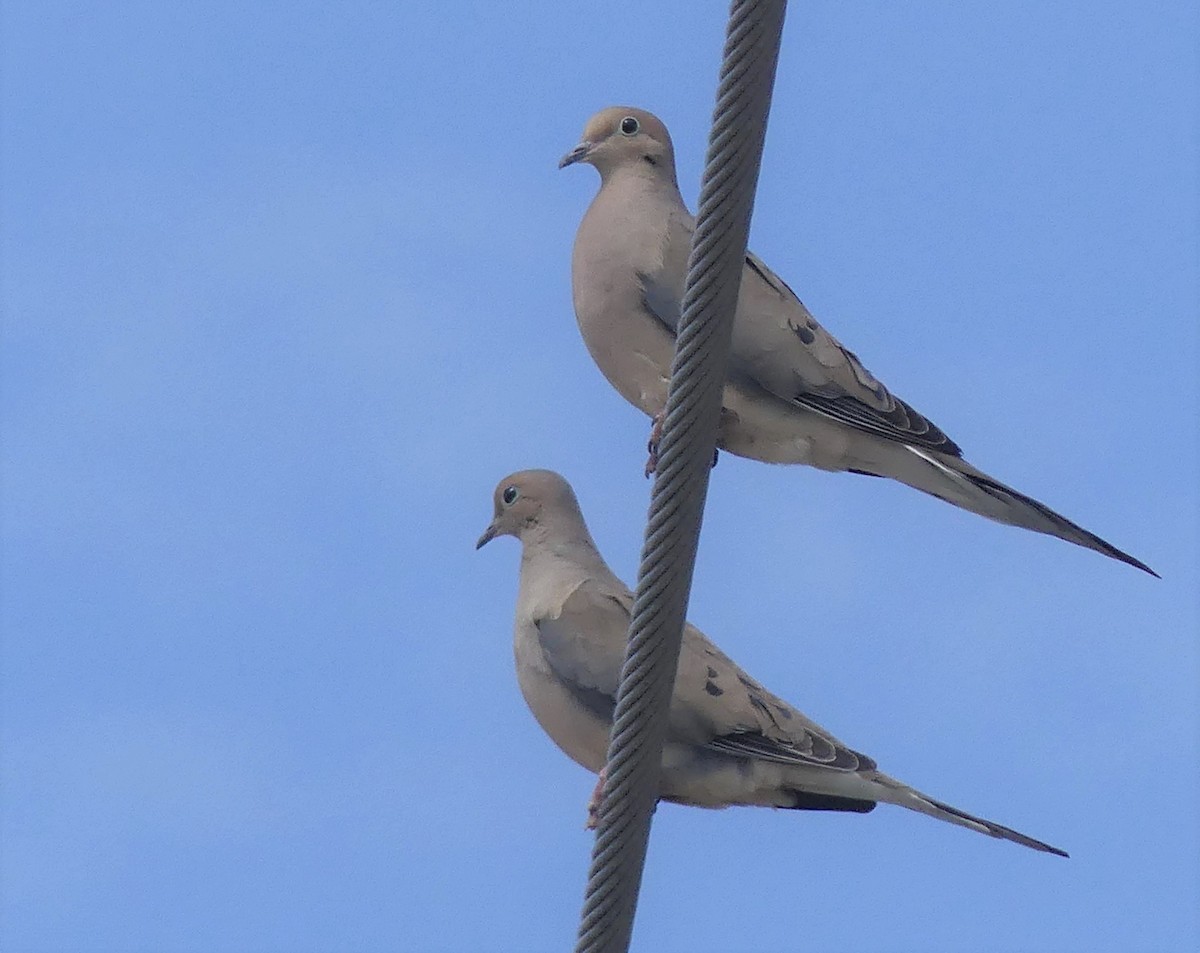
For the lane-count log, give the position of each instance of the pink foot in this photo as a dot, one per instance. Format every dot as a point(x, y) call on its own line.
point(656, 427)
point(597, 798)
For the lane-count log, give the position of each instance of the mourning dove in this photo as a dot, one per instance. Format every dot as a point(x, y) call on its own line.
point(729, 740)
point(794, 394)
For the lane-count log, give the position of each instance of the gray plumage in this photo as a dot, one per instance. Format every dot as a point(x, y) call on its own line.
point(729, 740)
point(794, 393)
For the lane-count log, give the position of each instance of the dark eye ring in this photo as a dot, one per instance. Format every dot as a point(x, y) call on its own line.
point(629, 126)
point(510, 494)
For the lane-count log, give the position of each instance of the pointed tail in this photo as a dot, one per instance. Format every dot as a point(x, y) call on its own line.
point(954, 480)
point(904, 796)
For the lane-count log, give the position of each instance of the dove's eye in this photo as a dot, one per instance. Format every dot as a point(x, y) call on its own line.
point(629, 126)
point(510, 494)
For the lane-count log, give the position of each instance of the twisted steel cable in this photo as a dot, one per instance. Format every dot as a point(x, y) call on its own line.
point(689, 435)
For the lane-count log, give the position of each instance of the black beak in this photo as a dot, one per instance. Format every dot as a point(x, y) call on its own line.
point(488, 535)
point(578, 154)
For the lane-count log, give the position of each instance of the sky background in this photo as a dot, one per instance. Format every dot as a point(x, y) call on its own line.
point(286, 292)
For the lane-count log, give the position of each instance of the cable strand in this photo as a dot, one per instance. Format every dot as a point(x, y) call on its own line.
point(689, 435)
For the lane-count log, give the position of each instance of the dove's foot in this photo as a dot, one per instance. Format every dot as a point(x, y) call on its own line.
point(595, 801)
point(656, 428)
point(652, 447)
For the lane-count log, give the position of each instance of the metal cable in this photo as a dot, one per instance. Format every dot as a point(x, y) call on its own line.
point(685, 457)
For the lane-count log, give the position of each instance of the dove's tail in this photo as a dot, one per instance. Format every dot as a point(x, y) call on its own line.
point(904, 796)
point(954, 480)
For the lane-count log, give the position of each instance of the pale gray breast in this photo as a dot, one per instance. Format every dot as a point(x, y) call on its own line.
point(622, 237)
point(576, 728)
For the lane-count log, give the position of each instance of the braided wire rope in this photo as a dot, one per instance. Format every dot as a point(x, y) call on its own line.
point(689, 435)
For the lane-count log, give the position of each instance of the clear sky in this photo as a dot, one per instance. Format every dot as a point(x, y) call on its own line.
point(286, 292)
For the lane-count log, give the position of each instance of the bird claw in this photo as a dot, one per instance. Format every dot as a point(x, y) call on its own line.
point(594, 802)
point(597, 798)
point(656, 428)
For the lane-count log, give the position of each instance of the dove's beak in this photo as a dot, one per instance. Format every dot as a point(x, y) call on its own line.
point(578, 154)
point(488, 535)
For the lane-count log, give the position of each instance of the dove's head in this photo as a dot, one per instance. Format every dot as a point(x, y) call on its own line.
point(624, 137)
point(533, 500)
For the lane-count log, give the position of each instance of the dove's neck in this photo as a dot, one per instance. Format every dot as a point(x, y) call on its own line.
point(629, 225)
point(574, 544)
point(641, 180)
point(556, 558)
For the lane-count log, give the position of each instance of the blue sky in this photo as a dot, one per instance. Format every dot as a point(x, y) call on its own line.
point(286, 292)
